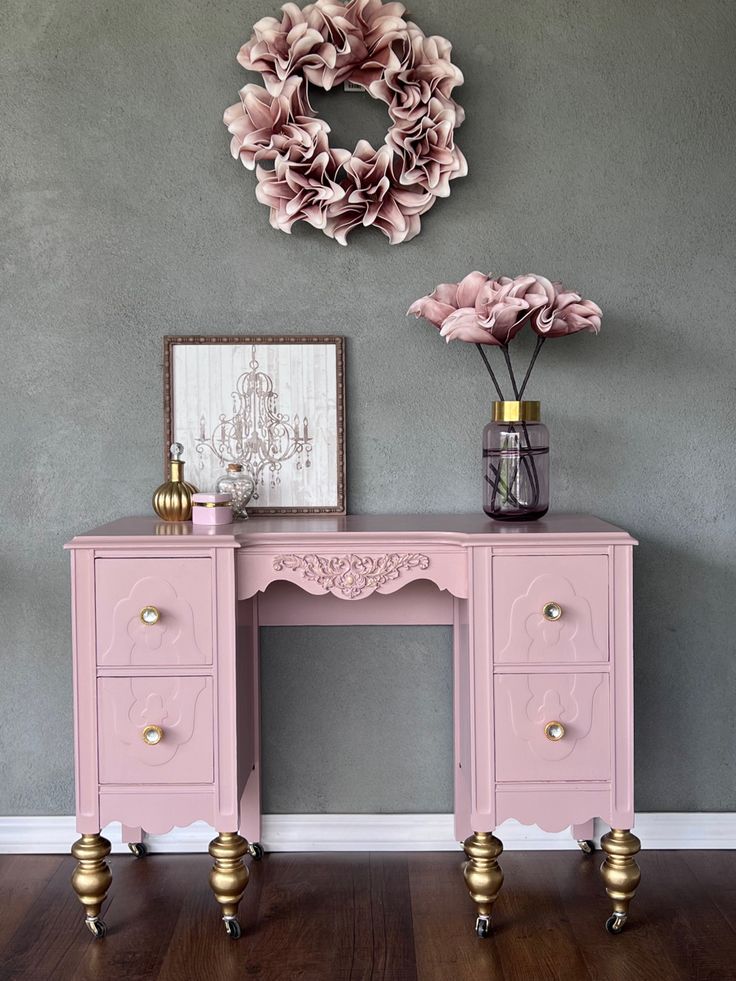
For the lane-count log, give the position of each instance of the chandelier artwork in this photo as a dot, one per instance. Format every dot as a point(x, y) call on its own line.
point(365, 44)
point(257, 435)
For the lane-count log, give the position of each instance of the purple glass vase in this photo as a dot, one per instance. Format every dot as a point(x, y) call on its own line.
point(515, 463)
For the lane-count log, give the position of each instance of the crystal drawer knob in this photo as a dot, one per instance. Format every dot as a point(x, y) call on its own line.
point(150, 615)
point(152, 735)
point(554, 731)
point(552, 611)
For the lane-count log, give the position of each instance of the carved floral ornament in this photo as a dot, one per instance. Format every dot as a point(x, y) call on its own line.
point(367, 43)
point(351, 574)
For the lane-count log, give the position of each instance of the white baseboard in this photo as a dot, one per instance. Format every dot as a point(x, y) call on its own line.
point(372, 832)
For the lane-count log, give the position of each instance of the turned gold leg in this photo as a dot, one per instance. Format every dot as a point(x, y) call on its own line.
point(229, 876)
point(483, 875)
point(92, 878)
point(620, 873)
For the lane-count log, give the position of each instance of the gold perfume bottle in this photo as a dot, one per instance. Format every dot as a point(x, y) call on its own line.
point(172, 501)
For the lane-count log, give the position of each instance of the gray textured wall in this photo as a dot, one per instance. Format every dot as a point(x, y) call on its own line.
point(600, 141)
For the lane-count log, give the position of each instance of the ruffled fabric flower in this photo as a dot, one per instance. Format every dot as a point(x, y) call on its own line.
point(413, 77)
point(380, 24)
point(331, 19)
point(374, 196)
point(427, 145)
point(482, 310)
point(279, 49)
point(447, 298)
point(567, 314)
point(304, 188)
point(264, 126)
point(504, 305)
point(371, 43)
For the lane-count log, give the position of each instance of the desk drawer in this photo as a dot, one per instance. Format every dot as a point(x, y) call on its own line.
point(180, 713)
point(177, 593)
point(526, 704)
point(550, 608)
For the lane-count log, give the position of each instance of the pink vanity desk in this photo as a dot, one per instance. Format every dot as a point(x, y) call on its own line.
point(166, 691)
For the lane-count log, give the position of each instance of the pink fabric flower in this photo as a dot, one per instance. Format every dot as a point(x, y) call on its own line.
point(463, 325)
point(568, 313)
point(447, 298)
point(416, 75)
point(302, 189)
point(380, 24)
point(373, 197)
point(428, 146)
point(282, 48)
point(371, 43)
point(504, 305)
point(331, 19)
point(264, 126)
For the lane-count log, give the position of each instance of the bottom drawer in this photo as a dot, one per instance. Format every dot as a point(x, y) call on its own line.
point(525, 706)
point(179, 714)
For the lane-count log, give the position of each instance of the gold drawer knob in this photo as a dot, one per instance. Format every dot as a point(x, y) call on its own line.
point(552, 611)
point(554, 731)
point(150, 615)
point(152, 735)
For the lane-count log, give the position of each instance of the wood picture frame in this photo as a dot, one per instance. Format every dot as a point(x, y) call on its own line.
point(278, 409)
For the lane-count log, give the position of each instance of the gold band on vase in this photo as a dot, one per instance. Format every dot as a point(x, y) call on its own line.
point(516, 411)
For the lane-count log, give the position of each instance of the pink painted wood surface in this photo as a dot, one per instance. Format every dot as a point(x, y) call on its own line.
point(85, 692)
point(524, 706)
point(621, 604)
point(182, 707)
point(498, 573)
point(352, 574)
point(552, 808)
point(248, 720)
point(286, 604)
point(524, 584)
point(461, 709)
point(584, 832)
point(481, 711)
point(157, 810)
point(463, 528)
point(181, 591)
point(228, 792)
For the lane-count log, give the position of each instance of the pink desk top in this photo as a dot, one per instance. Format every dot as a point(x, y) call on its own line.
point(466, 528)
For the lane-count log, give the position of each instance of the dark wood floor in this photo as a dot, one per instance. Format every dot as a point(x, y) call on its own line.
point(364, 917)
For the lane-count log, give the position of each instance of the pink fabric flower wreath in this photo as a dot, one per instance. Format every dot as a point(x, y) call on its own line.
point(326, 43)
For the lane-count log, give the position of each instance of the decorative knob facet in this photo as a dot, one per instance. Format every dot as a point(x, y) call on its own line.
point(150, 615)
point(554, 731)
point(552, 611)
point(152, 735)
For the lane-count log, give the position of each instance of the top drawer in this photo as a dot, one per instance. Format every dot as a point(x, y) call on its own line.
point(179, 595)
point(550, 608)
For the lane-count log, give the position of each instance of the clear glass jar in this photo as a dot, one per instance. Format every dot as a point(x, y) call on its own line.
point(239, 485)
point(515, 463)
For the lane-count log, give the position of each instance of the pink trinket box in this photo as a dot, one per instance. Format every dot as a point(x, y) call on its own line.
point(212, 509)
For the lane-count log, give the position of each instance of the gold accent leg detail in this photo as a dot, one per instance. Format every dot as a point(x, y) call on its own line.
point(483, 875)
point(92, 878)
point(229, 877)
point(620, 873)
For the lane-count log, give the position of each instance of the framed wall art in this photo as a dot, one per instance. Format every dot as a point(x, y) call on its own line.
point(276, 405)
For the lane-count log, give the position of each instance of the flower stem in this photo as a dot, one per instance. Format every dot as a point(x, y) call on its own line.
point(537, 349)
point(507, 356)
point(490, 370)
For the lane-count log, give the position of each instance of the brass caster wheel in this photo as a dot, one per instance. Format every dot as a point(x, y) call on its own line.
point(255, 850)
point(615, 922)
point(138, 849)
point(482, 927)
point(232, 927)
point(586, 847)
point(96, 927)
